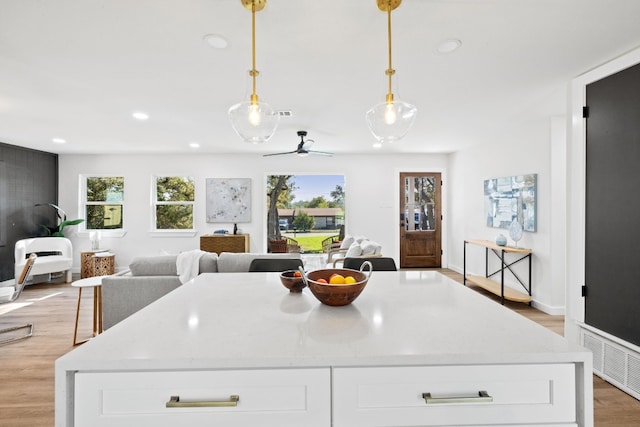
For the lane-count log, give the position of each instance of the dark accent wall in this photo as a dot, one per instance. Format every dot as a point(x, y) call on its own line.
point(27, 177)
point(612, 205)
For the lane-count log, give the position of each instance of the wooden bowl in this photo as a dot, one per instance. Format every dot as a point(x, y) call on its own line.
point(337, 295)
point(294, 284)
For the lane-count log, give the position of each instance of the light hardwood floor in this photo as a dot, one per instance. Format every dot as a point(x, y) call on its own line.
point(27, 367)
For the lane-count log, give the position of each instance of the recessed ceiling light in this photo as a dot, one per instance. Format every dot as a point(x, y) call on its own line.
point(216, 41)
point(59, 140)
point(377, 145)
point(194, 145)
point(448, 46)
point(140, 115)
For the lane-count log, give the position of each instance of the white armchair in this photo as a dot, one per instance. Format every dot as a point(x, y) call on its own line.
point(47, 264)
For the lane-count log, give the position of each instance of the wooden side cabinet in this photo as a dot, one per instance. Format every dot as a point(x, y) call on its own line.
point(224, 243)
point(97, 263)
point(498, 288)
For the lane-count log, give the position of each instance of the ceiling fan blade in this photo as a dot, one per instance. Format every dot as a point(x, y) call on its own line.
point(320, 153)
point(280, 154)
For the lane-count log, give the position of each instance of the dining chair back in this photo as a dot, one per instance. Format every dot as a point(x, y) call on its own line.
point(10, 294)
point(275, 264)
point(378, 263)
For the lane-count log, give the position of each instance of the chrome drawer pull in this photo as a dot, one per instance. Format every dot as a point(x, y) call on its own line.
point(482, 396)
point(174, 402)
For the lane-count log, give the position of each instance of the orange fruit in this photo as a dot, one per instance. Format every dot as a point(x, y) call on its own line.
point(349, 280)
point(321, 281)
point(336, 279)
point(297, 274)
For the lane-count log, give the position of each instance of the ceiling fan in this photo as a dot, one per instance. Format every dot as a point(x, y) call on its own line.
point(303, 147)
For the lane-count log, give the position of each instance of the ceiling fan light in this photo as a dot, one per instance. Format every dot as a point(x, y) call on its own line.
point(386, 130)
point(254, 122)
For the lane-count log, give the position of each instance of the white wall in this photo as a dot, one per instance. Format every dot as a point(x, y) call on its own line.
point(522, 149)
point(371, 186)
point(533, 145)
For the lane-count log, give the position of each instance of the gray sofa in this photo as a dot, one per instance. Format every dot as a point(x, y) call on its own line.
point(153, 277)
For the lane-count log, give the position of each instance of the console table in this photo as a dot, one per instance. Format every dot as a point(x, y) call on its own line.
point(505, 293)
point(224, 243)
point(238, 349)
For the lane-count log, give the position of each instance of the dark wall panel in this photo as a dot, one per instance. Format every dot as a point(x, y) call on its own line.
point(27, 177)
point(612, 205)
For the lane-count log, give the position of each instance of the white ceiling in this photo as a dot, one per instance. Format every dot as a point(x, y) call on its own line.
point(77, 69)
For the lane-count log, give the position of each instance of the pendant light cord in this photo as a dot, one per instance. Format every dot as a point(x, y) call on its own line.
point(390, 71)
point(253, 73)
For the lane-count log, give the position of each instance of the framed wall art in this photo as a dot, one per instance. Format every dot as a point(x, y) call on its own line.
point(511, 198)
point(228, 200)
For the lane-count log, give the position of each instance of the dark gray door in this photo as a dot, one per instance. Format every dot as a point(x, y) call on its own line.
point(612, 235)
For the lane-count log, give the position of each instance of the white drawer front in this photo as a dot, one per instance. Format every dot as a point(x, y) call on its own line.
point(265, 398)
point(522, 394)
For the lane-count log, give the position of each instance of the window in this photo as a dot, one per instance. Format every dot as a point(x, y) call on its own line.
point(104, 202)
point(173, 202)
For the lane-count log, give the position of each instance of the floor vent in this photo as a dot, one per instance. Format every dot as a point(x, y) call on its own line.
point(595, 345)
point(614, 362)
point(633, 374)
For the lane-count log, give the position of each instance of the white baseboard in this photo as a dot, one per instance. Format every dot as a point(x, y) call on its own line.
point(549, 309)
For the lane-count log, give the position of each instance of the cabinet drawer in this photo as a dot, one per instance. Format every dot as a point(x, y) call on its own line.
point(279, 397)
point(521, 394)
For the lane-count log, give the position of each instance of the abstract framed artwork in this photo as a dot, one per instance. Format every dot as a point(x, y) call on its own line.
point(511, 198)
point(228, 199)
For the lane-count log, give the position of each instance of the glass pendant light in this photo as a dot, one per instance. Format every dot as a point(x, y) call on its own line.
point(254, 121)
point(389, 121)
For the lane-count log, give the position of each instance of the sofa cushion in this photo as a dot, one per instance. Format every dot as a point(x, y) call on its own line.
point(161, 265)
point(209, 263)
point(231, 262)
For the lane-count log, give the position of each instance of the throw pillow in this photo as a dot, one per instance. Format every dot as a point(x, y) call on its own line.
point(354, 250)
point(346, 243)
point(369, 247)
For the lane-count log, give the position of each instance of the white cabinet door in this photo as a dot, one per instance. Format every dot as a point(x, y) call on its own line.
point(278, 397)
point(519, 395)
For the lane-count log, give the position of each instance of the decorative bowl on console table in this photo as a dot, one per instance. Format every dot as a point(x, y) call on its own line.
point(338, 294)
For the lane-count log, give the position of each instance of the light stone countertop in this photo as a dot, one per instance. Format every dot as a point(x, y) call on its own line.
point(249, 320)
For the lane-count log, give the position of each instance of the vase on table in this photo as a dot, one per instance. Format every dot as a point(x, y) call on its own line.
point(515, 232)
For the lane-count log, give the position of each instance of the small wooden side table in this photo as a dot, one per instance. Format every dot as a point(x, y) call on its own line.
point(94, 282)
point(97, 263)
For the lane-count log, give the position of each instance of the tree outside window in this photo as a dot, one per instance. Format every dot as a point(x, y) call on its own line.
point(174, 201)
point(104, 202)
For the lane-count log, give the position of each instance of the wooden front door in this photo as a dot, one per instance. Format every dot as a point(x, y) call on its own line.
point(420, 220)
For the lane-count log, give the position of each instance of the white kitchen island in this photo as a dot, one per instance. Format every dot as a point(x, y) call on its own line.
point(237, 349)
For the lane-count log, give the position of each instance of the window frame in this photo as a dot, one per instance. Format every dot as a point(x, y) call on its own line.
point(83, 231)
point(180, 232)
